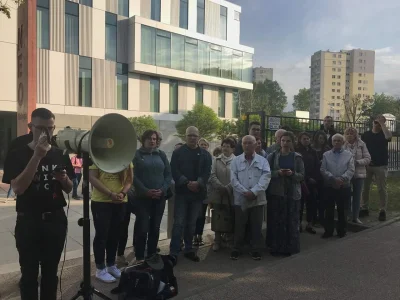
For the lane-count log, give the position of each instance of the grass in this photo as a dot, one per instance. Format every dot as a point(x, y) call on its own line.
point(393, 185)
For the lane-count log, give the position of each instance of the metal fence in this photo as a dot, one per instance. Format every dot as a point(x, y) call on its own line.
point(272, 123)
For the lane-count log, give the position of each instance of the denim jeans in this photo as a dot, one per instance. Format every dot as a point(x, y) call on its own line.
point(75, 183)
point(354, 207)
point(147, 225)
point(40, 243)
point(107, 220)
point(187, 210)
point(201, 220)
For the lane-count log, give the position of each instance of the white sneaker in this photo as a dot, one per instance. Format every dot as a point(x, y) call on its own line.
point(114, 271)
point(104, 276)
point(357, 221)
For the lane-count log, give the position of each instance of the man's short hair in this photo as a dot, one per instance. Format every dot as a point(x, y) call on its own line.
point(254, 123)
point(42, 113)
point(338, 135)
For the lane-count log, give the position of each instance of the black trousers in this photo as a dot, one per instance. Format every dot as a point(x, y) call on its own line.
point(320, 200)
point(123, 233)
point(310, 201)
point(340, 197)
point(41, 242)
point(201, 220)
point(107, 220)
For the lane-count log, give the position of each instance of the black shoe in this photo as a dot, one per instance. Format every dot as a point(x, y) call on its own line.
point(382, 216)
point(341, 235)
point(327, 235)
point(255, 255)
point(200, 240)
point(311, 230)
point(173, 259)
point(192, 256)
point(235, 255)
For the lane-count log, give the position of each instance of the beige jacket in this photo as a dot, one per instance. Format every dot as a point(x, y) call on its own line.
point(361, 155)
point(221, 177)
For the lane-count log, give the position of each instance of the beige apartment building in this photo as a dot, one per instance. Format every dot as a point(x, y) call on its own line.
point(339, 75)
point(133, 57)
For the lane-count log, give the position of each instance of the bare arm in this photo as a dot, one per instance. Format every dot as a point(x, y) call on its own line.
point(95, 181)
point(386, 131)
point(21, 183)
point(128, 183)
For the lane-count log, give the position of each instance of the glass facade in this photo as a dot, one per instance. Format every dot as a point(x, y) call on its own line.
point(86, 2)
point(199, 94)
point(111, 36)
point(184, 14)
point(200, 16)
point(71, 27)
point(123, 8)
point(42, 24)
point(85, 81)
point(235, 104)
point(221, 103)
point(173, 97)
point(154, 94)
point(122, 86)
point(156, 10)
point(223, 22)
point(175, 51)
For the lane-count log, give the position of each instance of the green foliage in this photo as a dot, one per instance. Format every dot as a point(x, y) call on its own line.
point(227, 128)
point(267, 96)
point(355, 108)
point(202, 117)
point(143, 123)
point(5, 7)
point(302, 100)
point(288, 113)
point(382, 104)
point(241, 124)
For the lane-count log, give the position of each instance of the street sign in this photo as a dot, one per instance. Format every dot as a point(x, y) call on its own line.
point(274, 123)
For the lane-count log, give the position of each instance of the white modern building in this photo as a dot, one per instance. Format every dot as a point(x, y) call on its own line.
point(133, 57)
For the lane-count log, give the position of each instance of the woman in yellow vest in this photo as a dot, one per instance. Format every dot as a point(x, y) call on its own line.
point(108, 210)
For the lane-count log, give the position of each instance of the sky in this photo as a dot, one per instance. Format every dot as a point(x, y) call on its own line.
point(285, 33)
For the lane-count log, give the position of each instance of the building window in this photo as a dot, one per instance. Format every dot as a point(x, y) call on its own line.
point(123, 8)
point(334, 62)
point(215, 60)
point(200, 16)
point(338, 97)
point(339, 62)
point(221, 103)
point(163, 49)
point(338, 104)
point(338, 76)
point(333, 83)
point(340, 55)
point(71, 27)
point(235, 104)
point(339, 69)
point(226, 71)
point(85, 81)
point(87, 2)
point(237, 63)
point(359, 88)
point(359, 81)
point(199, 94)
point(237, 16)
point(364, 88)
point(173, 97)
point(156, 10)
point(338, 91)
point(333, 69)
point(122, 86)
point(333, 90)
point(148, 47)
point(333, 76)
point(333, 97)
point(223, 21)
point(178, 48)
point(42, 24)
point(334, 55)
point(338, 83)
point(247, 75)
point(191, 55)
point(183, 14)
point(154, 94)
point(111, 36)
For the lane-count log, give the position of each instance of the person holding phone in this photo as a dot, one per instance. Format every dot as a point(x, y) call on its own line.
point(77, 163)
point(39, 174)
point(284, 194)
point(108, 210)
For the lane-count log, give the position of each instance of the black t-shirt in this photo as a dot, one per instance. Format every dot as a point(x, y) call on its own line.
point(377, 146)
point(44, 194)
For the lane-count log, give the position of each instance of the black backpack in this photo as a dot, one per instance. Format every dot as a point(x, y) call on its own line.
point(141, 282)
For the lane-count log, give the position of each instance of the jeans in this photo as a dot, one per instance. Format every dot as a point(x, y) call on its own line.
point(40, 242)
point(186, 211)
point(107, 220)
point(354, 207)
point(123, 233)
point(148, 220)
point(201, 220)
point(340, 197)
point(381, 174)
point(254, 217)
point(75, 183)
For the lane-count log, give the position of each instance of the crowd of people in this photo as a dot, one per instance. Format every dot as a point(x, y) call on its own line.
point(243, 177)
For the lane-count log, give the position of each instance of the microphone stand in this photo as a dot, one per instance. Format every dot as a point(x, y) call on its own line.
point(86, 289)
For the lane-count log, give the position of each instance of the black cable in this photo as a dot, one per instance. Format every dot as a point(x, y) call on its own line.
point(65, 249)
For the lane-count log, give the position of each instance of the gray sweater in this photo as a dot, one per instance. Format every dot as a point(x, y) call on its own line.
point(337, 164)
point(151, 171)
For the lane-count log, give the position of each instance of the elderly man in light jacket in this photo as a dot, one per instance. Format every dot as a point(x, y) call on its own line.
point(337, 169)
point(250, 176)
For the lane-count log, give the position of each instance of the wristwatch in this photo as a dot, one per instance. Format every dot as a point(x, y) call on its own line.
point(123, 193)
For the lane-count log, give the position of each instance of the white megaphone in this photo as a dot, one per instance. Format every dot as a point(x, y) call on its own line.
point(111, 143)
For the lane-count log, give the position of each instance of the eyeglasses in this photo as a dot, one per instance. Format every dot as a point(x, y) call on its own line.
point(43, 128)
point(192, 136)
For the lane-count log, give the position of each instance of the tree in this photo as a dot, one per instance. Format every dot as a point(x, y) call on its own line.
point(383, 104)
point(355, 108)
point(5, 7)
point(202, 117)
point(302, 100)
point(143, 123)
point(266, 96)
point(227, 128)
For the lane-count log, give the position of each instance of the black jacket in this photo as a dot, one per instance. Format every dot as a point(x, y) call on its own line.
point(183, 170)
point(331, 131)
point(311, 162)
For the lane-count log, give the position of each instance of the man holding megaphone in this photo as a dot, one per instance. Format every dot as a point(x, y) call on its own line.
point(38, 174)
